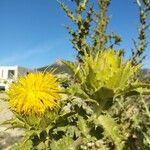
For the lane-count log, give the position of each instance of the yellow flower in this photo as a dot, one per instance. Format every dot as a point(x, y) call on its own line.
point(34, 93)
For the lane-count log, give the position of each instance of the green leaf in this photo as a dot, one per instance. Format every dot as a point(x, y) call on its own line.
point(75, 69)
point(65, 143)
point(111, 130)
point(42, 146)
point(103, 93)
point(26, 146)
point(82, 125)
point(76, 90)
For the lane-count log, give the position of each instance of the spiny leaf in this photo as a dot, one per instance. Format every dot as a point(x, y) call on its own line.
point(28, 145)
point(82, 125)
point(68, 11)
point(111, 130)
point(65, 143)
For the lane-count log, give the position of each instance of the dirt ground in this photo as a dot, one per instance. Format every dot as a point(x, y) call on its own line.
point(10, 136)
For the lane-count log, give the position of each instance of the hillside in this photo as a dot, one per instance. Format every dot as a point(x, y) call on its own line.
point(145, 75)
point(58, 66)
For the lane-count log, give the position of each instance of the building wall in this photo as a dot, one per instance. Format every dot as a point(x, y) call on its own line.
point(4, 72)
point(19, 71)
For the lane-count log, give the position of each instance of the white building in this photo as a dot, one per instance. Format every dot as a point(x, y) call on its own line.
point(8, 74)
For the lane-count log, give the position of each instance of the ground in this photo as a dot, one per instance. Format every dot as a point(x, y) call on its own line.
point(10, 136)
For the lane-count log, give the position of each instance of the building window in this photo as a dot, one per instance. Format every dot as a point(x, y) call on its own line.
point(11, 74)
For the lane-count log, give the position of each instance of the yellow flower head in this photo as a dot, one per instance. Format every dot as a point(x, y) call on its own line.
point(34, 93)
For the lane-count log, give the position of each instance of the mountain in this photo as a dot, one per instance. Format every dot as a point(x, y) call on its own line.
point(145, 75)
point(58, 66)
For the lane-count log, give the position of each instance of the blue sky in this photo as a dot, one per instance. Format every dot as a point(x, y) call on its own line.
point(32, 32)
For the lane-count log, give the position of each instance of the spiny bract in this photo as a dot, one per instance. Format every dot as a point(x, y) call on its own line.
point(109, 69)
point(34, 93)
point(106, 72)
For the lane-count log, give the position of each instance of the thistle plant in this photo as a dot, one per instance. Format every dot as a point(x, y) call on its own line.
point(106, 73)
point(103, 105)
point(34, 100)
point(100, 39)
point(90, 34)
point(109, 83)
point(141, 44)
point(34, 93)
